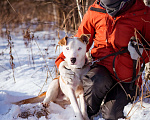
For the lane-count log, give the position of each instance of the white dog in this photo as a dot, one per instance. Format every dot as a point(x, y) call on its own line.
point(71, 72)
point(69, 87)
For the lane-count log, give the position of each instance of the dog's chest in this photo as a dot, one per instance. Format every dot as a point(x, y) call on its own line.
point(79, 73)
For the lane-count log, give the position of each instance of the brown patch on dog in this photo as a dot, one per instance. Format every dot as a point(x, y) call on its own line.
point(56, 78)
point(79, 90)
point(85, 38)
point(63, 41)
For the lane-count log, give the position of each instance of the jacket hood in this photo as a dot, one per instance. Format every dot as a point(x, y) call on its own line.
point(126, 5)
point(113, 6)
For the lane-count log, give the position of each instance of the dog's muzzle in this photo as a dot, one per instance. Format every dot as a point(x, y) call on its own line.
point(73, 60)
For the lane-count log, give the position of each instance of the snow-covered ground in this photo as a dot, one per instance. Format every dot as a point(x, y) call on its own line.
point(34, 69)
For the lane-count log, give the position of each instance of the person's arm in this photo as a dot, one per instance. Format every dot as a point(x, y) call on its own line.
point(146, 33)
point(84, 28)
point(59, 59)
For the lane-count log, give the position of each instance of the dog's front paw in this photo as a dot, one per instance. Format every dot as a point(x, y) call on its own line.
point(45, 105)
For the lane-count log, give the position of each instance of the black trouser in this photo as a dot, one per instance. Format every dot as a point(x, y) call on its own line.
point(98, 84)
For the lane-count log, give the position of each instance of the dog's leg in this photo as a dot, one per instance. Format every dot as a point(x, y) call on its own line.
point(52, 92)
point(74, 103)
point(83, 106)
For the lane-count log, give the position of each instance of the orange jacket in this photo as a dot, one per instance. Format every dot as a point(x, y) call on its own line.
point(110, 34)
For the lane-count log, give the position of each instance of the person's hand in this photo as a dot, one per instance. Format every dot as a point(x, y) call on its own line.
point(134, 55)
point(66, 74)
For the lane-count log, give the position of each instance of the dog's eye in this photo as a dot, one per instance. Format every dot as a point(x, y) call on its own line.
point(67, 48)
point(79, 48)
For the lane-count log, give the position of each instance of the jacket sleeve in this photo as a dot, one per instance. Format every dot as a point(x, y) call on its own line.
point(146, 33)
point(59, 59)
point(84, 28)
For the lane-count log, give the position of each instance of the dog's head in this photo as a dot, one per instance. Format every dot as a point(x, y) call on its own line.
point(74, 49)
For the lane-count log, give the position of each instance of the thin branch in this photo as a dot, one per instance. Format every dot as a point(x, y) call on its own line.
point(43, 58)
point(79, 10)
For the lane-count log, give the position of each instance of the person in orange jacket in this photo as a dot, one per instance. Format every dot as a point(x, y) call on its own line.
point(114, 25)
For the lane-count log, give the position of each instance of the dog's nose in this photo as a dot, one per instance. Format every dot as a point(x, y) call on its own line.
point(73, 60)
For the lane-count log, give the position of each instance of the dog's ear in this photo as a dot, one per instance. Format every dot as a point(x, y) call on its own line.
point(85, 38)
point(63, 41)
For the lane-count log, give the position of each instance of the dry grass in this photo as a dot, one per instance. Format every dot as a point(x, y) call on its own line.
point(41, 14)
point(10, 45)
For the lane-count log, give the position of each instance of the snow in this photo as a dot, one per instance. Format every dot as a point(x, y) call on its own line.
point(34, 69)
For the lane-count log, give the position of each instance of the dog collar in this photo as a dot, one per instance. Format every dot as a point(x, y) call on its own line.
point(86, 62)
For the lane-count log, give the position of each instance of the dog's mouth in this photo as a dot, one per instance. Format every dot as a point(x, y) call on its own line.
point(73, 64)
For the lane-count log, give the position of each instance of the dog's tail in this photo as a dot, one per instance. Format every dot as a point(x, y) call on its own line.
point(37, 99)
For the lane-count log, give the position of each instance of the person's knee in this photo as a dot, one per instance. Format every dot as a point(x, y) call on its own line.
point(101, 84)
point(102, 75)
